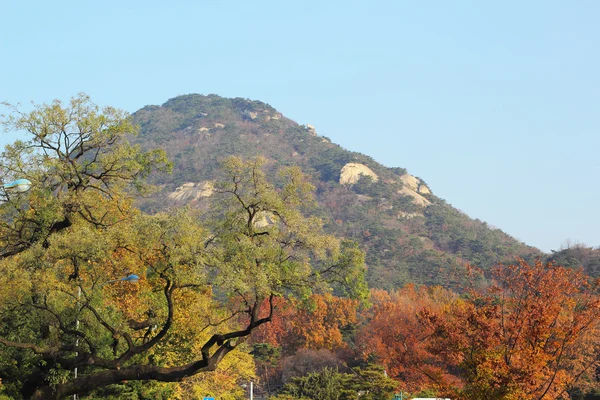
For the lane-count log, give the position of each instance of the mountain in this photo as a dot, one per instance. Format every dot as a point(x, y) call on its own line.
point(409, 234)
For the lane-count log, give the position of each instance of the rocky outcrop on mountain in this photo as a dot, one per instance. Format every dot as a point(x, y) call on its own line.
point(352, 172)
point(414, 184)
point(192, 191)
point(416, 197)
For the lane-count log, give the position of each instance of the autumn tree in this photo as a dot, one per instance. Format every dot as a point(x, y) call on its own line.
point(393, 334)
point(318, 322)
point(304, 336)
point(322, 324)
point(531, 335)
point(204, 278)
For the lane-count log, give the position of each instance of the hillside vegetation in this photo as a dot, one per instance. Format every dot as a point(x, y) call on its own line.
point(408, 233)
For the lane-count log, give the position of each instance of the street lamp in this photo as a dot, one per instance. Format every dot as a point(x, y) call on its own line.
point(19, 186)
point(250, 389)
point(128, 278)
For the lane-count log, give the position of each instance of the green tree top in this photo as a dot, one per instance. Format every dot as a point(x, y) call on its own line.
point(78, 159)
point(264, 244)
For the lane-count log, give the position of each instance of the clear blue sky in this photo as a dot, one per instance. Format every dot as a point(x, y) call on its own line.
point(496, 105)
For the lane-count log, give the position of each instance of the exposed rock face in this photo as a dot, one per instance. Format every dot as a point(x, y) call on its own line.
point(414, 184)
point(405, 215)
point(417, 198)
point(423, 189)
point(192, 191)
point(414, 188)
point(351, 173)
point(311, 130)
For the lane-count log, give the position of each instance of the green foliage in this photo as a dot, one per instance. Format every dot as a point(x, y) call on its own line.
point(373, 383)
point(472, 240)
point(365, 185)
point(75, 155)
point(135, 390)
point(399, 171)
point(267, 354)
point(330, 384)
point(266, 245)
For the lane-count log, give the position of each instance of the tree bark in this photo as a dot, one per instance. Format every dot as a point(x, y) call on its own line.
point(104, 378)
point(137, 372)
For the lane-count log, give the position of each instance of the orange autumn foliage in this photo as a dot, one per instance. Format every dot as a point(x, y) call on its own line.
point(274, 332)
point(531, 335)
point(394, 335)
point(316, 326)
point(320, 327)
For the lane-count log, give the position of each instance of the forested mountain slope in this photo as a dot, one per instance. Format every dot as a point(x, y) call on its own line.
point(578, 256)
point(409, 234)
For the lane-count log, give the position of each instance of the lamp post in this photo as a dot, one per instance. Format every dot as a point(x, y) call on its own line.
point(20, 185)
point(128, 278)
point(250, 389)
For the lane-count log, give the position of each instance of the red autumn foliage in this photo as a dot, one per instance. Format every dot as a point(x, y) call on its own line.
point(533, 334)
point(394, 334)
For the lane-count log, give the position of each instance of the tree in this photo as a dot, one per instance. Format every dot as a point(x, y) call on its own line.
point(328, 384)
point(394, 335)
point(204, 278)
point(370, 383)
point(317, 323)
point(306, 333)
point(80, 163)
point(531, 335)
